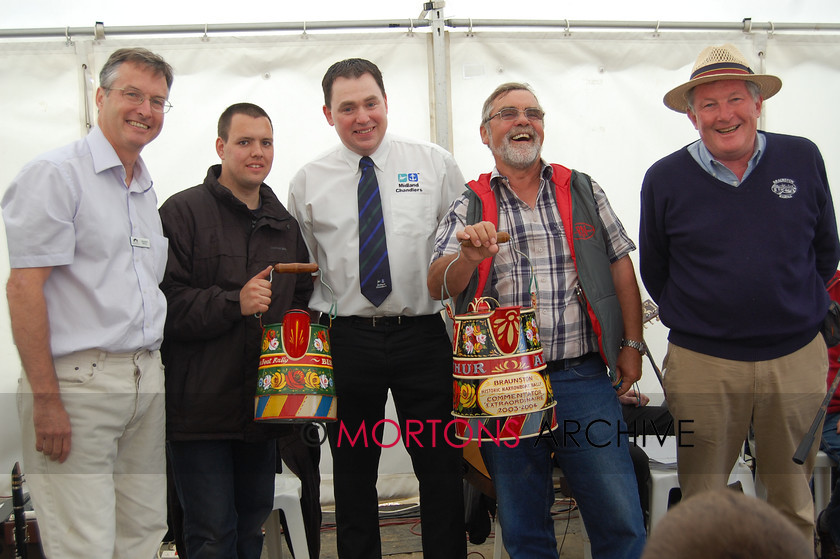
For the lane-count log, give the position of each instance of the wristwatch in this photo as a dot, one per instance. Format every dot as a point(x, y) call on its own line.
point(638, 346)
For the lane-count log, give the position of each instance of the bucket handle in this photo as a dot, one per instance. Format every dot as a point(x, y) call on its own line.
point(501, 237)
point(302, 268)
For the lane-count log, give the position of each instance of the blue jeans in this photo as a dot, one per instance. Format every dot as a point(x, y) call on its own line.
point(226, 489)
point(831, 445)
point(591, 447)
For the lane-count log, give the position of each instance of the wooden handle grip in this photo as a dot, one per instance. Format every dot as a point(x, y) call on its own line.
point(296, 268)
point(501, 237)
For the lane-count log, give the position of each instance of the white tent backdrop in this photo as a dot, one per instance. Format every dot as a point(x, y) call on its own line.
point(602, 92)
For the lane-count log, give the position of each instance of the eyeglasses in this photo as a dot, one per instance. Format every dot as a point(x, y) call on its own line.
point(136, 97)
point(512, 113)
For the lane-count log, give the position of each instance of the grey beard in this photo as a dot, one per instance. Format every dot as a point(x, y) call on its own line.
point(519, 157)
point(515, 155)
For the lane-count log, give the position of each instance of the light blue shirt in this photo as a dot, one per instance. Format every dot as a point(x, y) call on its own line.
point(721, 172)
point(69, 209)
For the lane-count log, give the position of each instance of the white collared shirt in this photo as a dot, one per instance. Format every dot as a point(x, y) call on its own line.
point(417, 182)
point(69, 209)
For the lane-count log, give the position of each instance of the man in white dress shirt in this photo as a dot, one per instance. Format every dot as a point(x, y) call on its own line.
point(394, 338)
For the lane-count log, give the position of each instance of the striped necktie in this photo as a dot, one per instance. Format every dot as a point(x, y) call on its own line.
point(374, 270)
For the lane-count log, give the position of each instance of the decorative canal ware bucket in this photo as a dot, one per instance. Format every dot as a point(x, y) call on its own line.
point(501, 387)
point(295, 378)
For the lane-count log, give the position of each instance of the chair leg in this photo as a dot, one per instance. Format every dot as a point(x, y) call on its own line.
point(297, 532)
point(273, 536)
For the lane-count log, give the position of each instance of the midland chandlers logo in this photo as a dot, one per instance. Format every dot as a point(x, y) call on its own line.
point(408, 182)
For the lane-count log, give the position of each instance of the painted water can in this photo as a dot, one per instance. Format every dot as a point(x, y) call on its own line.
point(295, 378)
point(501, 387)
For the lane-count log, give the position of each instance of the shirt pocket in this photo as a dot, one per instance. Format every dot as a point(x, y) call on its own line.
point(411, 214)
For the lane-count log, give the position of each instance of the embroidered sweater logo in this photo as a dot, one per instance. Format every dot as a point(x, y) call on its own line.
point(784, 188)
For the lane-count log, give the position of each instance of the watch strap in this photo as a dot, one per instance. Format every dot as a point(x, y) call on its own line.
point(638, 346)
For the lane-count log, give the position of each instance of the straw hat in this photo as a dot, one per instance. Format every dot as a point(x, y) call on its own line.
point(724, 62)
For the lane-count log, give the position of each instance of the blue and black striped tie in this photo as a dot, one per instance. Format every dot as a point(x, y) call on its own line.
point(374, 269)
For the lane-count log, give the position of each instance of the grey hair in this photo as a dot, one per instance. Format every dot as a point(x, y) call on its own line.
point(143, 57)
point(752, 88)
point(502, 90)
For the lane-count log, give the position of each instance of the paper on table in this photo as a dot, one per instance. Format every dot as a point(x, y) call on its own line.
point(660, 450)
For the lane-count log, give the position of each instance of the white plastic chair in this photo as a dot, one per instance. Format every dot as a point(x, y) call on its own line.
point(664, 479)
point(822, 481)
point(287, 490)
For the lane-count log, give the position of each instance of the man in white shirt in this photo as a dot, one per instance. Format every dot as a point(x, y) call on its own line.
point(87, 253)
point(391, 336)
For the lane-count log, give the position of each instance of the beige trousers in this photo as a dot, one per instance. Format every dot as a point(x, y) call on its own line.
point(714, 401)
point(108, 499)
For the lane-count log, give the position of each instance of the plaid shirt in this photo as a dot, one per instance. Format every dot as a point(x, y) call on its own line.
point(565, 332)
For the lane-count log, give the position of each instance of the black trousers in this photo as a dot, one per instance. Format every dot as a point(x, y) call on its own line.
point(411, 357)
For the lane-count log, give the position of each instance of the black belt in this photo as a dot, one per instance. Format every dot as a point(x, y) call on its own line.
point(380, 322)
point(563, 364)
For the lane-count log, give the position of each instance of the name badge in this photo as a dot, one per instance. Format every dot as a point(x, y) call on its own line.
point(140, 242)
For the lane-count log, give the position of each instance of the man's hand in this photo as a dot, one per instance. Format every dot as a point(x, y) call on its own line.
point(633, 398)
point(30, 330)
point(255, 296)
point(629, 369)
point(52, 426)
point(483, 241)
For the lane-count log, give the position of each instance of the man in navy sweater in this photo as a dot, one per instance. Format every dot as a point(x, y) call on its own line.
point(737, 240)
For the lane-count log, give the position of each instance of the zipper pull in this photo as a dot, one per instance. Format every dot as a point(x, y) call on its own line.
point(579, 294)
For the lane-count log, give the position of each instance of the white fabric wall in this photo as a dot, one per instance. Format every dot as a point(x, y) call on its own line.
point(602, 92)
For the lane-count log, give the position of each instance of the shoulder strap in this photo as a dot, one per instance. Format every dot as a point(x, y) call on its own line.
point(481, 206)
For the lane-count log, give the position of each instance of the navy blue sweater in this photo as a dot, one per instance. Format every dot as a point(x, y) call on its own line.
point(739, 272)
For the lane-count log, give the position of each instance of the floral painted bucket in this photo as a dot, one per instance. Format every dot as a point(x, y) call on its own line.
point(501, 390)
point(501, 387)
point(295, 378)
